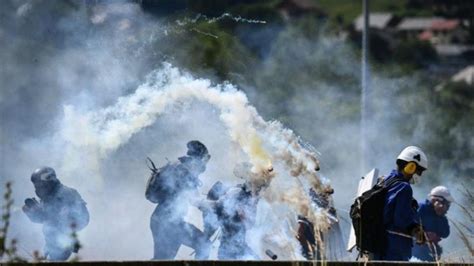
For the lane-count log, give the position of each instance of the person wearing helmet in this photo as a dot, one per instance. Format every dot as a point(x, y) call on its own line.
point(399, 210)
point(174, 187)
point(432, 215)
point(61, 210)
point(234, 211)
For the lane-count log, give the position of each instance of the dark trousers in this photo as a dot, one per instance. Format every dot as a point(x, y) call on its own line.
point(232, 249)
point(168, 235)
point(59, 244)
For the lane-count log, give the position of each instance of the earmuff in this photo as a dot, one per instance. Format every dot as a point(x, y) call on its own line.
point(410, 168)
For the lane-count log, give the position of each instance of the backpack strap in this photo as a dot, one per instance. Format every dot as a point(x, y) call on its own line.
point(392, 181)
point(399, 234)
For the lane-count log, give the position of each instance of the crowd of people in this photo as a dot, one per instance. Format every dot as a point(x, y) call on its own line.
point(232, 210)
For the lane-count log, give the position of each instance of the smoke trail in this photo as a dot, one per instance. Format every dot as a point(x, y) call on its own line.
point(200, 17)
point(109, 128)
point(87, 150)
point(268, 145)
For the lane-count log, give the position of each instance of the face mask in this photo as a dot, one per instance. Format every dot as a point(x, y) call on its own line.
point(43, 189)
point(415, 179)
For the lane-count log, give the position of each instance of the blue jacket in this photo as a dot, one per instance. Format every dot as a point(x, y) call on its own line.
point(399, 216)
point(431, 223)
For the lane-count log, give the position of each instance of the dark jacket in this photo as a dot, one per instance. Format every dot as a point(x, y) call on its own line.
point(61, 213)
point(400, 217)
point(431, 222)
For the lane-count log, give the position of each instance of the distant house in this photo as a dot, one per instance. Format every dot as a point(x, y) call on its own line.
point(466, 75)
point(435, 30)
point(379, 21)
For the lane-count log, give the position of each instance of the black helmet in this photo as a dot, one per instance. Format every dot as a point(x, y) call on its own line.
point(45, 181)
point(43, 174)
point(197, 149)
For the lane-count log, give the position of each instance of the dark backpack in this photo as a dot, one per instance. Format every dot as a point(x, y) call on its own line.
point(367, 213)
point(163, 182)
point(156, 190)
point(166, 182)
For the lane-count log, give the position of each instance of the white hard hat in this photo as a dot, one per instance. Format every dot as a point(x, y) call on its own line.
point(441, 191)
point(414, 154)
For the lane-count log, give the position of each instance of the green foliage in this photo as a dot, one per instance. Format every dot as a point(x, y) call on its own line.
point(207, 48)
point(250, 9)
point(465, 232)
point(415, 53)
point(6, 211)
point(262, 10)
point(348, 11)
point(450, 119)
point(222, 52)
point(8, 252)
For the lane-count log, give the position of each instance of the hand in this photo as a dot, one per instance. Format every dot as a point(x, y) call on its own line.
point(31, 205)
point(419, 235)
point(432, 237)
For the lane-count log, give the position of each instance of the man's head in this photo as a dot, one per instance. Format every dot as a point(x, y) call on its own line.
point(412, 160)
point(198, 150)
point(45, 181)
point(198, 156)
point(441, 200)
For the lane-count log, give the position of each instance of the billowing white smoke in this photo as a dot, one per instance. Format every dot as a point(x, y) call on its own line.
point(275, 153)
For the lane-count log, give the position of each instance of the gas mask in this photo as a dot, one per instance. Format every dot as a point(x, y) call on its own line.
point(45, 182)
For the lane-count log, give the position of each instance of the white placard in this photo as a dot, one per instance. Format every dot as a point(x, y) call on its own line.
point(365, 183)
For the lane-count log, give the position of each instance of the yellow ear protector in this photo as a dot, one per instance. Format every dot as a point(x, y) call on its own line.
point(410, 168)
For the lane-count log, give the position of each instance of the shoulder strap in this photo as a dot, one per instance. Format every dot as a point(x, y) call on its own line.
point(392, 182)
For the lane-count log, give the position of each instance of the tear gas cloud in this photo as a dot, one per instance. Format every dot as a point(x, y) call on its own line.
point(96, 130)
point(94, 104)
point(265, 145)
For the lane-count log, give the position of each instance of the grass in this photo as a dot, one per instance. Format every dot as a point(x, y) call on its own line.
point(465, 232)
point(8, 252)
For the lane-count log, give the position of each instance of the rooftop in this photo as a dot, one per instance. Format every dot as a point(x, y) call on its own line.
point(376, 20)
point(433, 23)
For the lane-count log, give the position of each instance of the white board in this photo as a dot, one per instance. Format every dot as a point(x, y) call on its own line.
point(365, 183)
